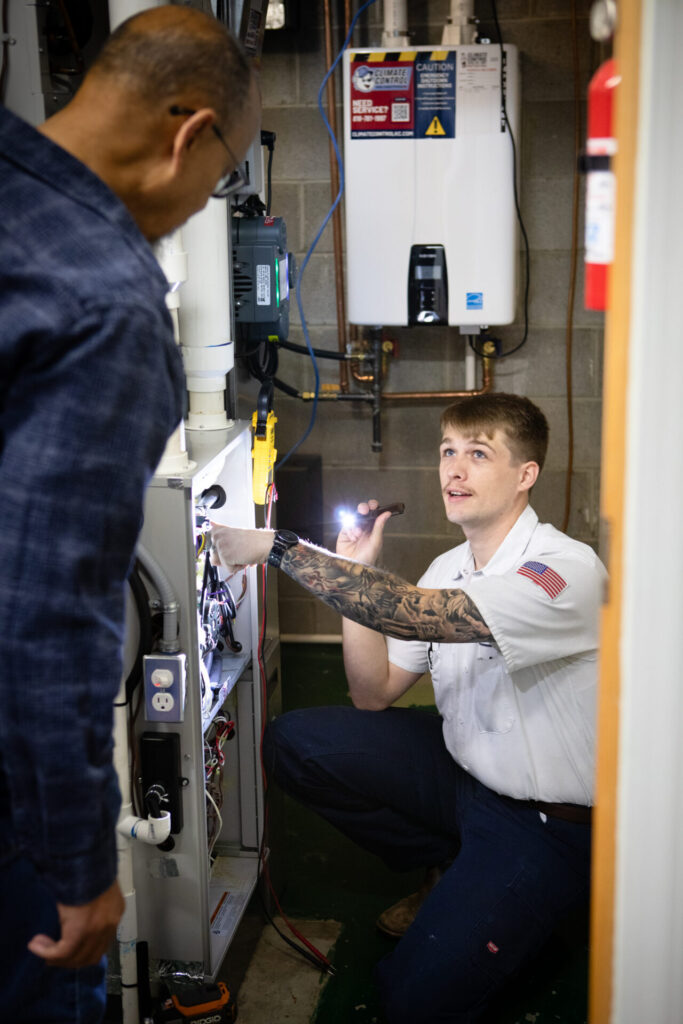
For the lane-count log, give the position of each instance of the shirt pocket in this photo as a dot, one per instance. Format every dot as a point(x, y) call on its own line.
point(494, 708)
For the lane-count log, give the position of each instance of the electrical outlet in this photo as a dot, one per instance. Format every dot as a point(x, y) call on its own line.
point(163, 702)
point(164, 676)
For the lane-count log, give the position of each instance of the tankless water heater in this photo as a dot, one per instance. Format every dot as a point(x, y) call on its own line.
point(431, 227)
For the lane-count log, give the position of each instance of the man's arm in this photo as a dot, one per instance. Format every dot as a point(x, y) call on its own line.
point(86, 931)
point(365, 594)
point(374, 682)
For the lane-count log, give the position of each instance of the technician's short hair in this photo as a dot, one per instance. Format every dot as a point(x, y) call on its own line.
point(524, 425)
point(188, 53)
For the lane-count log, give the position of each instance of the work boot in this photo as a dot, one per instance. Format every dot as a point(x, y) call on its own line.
point(397, 919)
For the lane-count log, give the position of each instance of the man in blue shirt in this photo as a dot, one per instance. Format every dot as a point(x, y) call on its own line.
point(91, 386)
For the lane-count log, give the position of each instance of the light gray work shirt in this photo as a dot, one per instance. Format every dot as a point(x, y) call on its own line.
point(519, 714)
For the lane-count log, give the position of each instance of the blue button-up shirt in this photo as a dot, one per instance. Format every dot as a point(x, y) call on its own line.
point(91, 386)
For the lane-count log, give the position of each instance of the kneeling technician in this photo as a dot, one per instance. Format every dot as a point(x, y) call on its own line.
point(496, 790)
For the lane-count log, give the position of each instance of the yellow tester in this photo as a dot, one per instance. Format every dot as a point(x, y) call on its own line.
point(263, 453)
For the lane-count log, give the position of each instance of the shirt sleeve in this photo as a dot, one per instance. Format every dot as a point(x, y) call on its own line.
point(542, 610)
point(85, 423)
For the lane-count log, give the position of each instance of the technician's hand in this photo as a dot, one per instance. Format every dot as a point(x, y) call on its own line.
point(363, 541)
point(235, 548)
point(87, 931)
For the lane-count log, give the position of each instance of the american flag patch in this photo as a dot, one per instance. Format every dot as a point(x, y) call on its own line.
point(544, 576)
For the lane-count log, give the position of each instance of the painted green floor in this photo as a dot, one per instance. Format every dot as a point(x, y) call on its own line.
point(326, 876)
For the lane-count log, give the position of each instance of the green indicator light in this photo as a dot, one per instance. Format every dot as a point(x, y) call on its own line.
point(277, 282)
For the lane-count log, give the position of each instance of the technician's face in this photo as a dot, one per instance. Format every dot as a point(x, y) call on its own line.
point(481, 484)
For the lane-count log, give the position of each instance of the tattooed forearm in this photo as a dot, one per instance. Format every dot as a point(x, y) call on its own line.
point(383, 602)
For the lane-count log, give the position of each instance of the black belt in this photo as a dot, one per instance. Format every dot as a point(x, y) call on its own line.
point(579, 814)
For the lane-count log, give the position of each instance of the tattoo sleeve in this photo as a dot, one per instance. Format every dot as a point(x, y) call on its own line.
point(384, 602)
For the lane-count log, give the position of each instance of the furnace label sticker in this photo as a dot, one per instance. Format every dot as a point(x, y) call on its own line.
point(262, 284)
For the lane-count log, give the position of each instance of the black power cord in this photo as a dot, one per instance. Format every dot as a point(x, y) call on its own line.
point(515, 188)
point(146, 641)
point(268, 140)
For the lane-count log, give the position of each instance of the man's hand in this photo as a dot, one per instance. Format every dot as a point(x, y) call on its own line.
point(87, 931)
point(363, 541)
point(235, 548)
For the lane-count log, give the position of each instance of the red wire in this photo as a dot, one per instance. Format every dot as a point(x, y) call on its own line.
point(272, 497)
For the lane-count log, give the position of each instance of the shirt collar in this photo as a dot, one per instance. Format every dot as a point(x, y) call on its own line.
point(508, 553)
point(25, 146)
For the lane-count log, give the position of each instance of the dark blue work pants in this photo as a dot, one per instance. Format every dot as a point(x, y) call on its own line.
point(386, 780)
point(29, 989)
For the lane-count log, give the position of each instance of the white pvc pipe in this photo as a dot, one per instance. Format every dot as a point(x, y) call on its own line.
point(395, 32)
point(470, 367)
point(204, 316)
point(119, 10)
point(460, 28)
point(152, 831)
point(127, 931)
point(172, 257)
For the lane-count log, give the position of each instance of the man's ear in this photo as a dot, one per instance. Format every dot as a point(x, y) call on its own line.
point(189, 133)
point(528, 475)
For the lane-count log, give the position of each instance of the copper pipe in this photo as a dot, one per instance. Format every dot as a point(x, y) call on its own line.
point(486, 386)
point(336, 216)
point(353, 328)
point(362, 378)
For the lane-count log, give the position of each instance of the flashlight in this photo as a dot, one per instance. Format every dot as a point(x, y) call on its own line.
point(397, 509)
point(350, 519)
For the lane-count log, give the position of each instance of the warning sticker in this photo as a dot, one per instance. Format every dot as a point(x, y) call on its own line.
point(435, 97)
point(436, 128)
point(403, 95)
point(220, 918)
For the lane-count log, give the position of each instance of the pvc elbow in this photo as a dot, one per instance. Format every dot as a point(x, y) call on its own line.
point(153, 831)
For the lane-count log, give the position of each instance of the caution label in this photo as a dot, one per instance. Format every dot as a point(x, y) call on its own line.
point(405, 94)
point(435, 128)
point(435, 95)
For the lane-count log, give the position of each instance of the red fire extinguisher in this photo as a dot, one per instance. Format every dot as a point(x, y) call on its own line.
point(601, 146)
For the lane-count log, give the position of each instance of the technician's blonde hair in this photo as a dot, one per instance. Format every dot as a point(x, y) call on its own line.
point(524, 425)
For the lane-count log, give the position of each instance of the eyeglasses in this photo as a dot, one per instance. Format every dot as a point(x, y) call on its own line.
point(231, 182)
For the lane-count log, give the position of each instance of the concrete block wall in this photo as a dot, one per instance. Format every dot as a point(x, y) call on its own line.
point(433, 358)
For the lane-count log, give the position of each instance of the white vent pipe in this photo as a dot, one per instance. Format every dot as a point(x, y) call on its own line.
point(119, 10)
point(172, 258)
point(395, 34)
point(460, 29)
point(204, 315)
